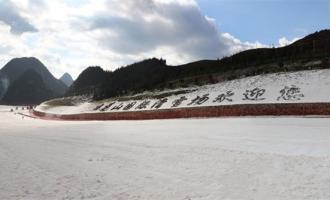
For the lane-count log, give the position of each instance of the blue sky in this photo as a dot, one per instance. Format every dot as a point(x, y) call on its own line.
point(268, 20)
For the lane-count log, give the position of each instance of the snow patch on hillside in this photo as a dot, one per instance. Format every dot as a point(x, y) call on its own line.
point(295, 87)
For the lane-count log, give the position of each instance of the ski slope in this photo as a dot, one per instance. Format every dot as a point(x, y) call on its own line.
point(197, 159)
point(295, 87)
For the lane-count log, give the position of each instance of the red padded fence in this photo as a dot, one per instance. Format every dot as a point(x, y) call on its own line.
point(296, 109)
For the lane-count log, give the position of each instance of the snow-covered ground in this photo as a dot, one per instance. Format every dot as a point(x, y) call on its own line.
point(233, 158)
point(296, 87)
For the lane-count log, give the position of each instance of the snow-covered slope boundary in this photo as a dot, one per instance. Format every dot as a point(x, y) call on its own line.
point(296, 93)
point(299, 109)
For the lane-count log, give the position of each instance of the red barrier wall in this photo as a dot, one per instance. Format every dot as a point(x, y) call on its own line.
point(300, 109)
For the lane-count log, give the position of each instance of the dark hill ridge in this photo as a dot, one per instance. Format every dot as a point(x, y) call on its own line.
point(16, 67)
point(19, 73)
point(142, 75)
point(264, 60)
point(88, 80)
point(155, 74)
point(28, 89)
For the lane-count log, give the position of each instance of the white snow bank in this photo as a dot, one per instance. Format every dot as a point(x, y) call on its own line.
point(296, 87)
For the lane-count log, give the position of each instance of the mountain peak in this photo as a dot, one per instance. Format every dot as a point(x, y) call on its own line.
point(27, 60)
point(28, 89)
point(67, 79)
point(17, 68)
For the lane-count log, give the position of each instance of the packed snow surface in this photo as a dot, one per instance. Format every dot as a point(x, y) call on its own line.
point(196, 159)
point(295, 87)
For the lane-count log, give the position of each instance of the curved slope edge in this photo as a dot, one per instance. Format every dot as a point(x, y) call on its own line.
point(299, 109)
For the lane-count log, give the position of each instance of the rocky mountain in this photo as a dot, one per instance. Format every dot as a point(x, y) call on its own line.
point(311, 52)
point(28, 89)
point(67, 79)
point(16, 70)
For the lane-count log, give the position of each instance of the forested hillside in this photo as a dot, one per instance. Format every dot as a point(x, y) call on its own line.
point(311, 52)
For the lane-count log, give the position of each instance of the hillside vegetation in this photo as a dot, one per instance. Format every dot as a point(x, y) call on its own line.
point(311, 52)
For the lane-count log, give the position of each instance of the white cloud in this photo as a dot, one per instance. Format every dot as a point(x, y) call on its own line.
point(285, 42)
point(75, 34)
point(235, 45)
